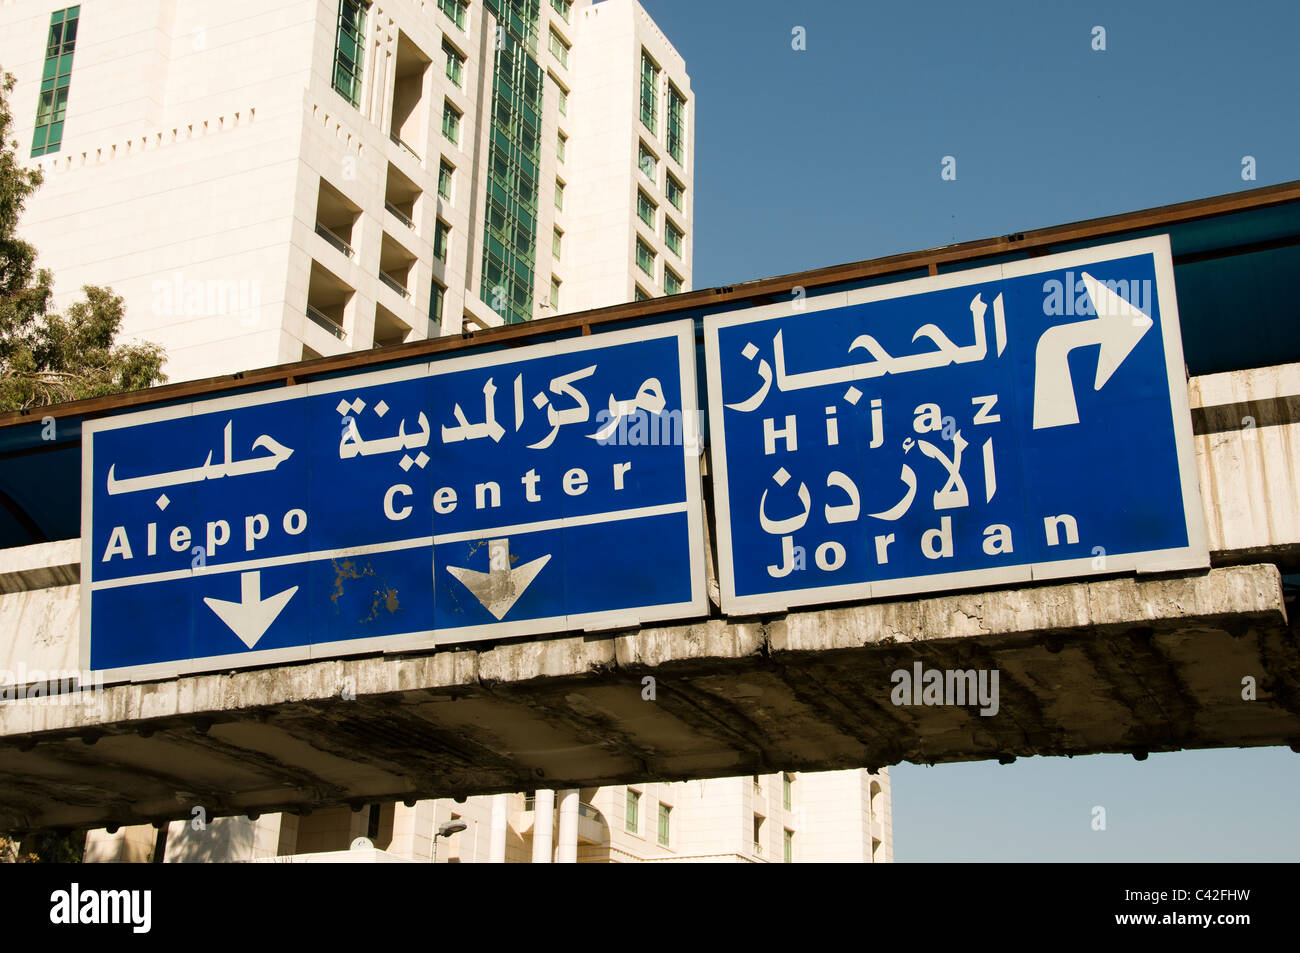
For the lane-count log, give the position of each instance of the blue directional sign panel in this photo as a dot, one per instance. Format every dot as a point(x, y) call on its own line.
point(546, 488)
point(987, 427)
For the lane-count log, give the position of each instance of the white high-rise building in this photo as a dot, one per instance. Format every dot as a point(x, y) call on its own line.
point(823, 817)
point(270, 180)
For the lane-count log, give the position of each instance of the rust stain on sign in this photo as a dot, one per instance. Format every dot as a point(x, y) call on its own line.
point(346, 569)
point(384, 598)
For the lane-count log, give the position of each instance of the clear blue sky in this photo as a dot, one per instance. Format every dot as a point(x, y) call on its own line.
point(832, 154)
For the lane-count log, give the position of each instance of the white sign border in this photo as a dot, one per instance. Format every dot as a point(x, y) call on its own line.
point(696, 606)
point(1194, 555)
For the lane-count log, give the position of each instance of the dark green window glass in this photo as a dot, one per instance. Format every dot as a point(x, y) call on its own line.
point(349, 49)
point(789, 847)
point(645, 208)
point(676, 122)
point(639, 295)
point(52, 103)
point(455, 63)
point(648, 162)
point(455, 9)
point(445, 171)
point(649, 93)
point(673, 237)
point(633, 808)
point(676, 191)
point(665, 812)
point(441, 238)
point(672, 283)
point(436, 295)
point(559, 48)
point(451, 123)
point(562, 7)
point(645, 258)
point(513, 162)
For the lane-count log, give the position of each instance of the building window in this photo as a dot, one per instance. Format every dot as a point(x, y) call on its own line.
point(560, 48)
point(673, 236)
point(789, 846)
point(758, 833)
point(561, 140)
point(455, 63)
point(649, 93)
point(441, 238)
point(562, 7)
point(455, 9)
point(52, 106)
point(559, 194)
point(665, 812)
point(638, 294)
point(672, 282)
point(633, 807)
point(645, 258)
point(557, 240)
point(648, 162)
point(555, 294)
point(564, 100)
point(645, 209)
point(787, 791)
point(349, 49)
point(515, 147)
point(436, 295)
point(676, 192)
point(451, 123)
point(445, 172)
point(676, 123)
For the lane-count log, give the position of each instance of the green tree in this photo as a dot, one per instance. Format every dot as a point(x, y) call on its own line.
point(46, 357)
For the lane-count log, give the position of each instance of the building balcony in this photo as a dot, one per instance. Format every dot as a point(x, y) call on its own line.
point(333, 239)
point(326, 322)
point(397, 141)
point(396, 284)
point(592, 827)
point(398, 214)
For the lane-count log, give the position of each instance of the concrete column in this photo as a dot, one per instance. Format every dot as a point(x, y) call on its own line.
point(497, 844)
point(413, 830)
point(129, 845)
point(567, 851)
point(543, 818)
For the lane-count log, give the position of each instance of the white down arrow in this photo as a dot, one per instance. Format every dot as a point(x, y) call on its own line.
point(251, 616)
point(501, 587)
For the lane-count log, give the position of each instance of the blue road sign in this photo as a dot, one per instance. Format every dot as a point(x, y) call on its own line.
point(987, 427)
point(546, 488)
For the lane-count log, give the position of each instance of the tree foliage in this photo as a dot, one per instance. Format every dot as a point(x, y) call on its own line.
point(47, 357)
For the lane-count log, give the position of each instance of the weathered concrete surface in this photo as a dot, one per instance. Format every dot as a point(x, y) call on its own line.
point(1109, 665)
point(1102, 665)
point(1247, 435)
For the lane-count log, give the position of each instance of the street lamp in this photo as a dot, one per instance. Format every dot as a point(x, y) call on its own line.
point(446, 830)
